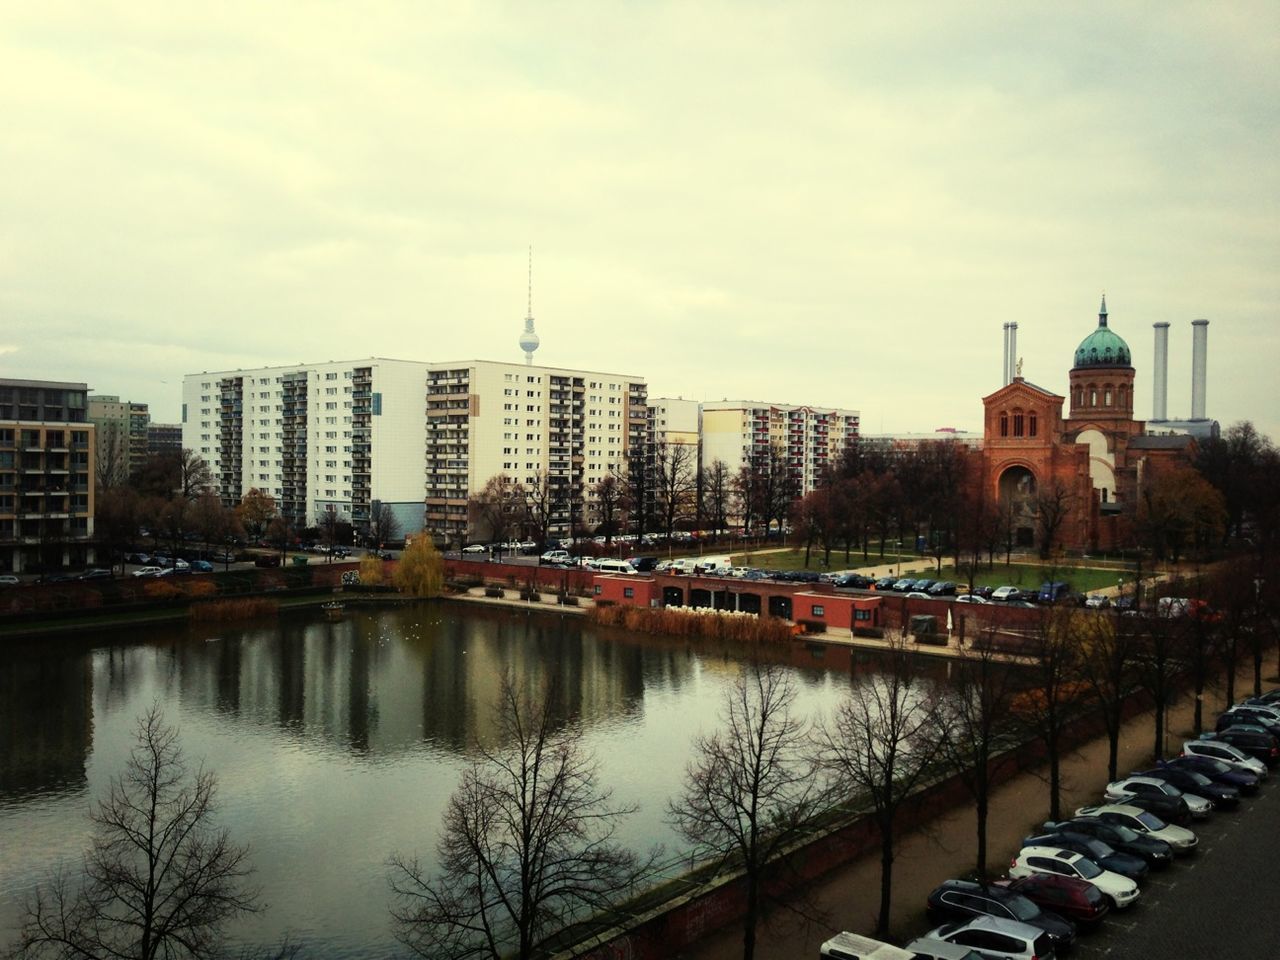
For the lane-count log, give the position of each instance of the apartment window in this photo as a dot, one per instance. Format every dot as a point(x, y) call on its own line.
point(331, 376)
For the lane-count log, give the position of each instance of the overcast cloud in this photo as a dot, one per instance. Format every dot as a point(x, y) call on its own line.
point(837, 204)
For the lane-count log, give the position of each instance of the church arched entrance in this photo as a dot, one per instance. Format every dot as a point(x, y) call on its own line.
point(1017, 487)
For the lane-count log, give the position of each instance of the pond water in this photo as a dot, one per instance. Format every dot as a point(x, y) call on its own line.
point(335, 744)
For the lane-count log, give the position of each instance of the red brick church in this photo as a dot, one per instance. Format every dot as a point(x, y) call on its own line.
point(1092, 462)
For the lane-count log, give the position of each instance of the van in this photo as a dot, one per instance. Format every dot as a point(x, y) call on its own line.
point(615, 566)
point(1053, 592)
point(684, 565)
point(720, 566)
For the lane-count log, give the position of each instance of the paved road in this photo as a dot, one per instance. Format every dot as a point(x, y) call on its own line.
point(1219, 903)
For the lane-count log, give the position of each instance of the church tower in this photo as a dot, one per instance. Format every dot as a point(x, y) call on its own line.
point(1102, 376)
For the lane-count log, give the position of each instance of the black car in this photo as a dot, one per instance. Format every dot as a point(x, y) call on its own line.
point(983, 592)
point(943, 588)
point(1197, 784)
point(962, 899)
point(884, 583)
point(1261, 746)
point(643, 564)
point(1099, 851)
point(1243, 715)
point(1156, 853)
point(1217, 771)
point(923, 584)
point(1167, 808)
point(856, 581)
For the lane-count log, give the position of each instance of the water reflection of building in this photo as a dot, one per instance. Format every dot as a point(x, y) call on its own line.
point(388, 681)
point(46, 721)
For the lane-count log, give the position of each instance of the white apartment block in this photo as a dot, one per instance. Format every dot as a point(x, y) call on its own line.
point(811, 438)
point(535, 424)
point(347, 434)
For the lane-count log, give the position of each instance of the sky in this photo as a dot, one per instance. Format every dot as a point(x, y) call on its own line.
point(831, 204)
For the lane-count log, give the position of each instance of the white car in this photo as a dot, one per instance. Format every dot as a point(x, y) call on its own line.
point(1121, 891)
point(919, 595)
point(970, 598)
point(147, 571)
point(854, 946)
point(8, 580)
point(1097, 601)
point(1004, 593)
point(181, 565)
point(1143, 821)
point(1122, 790)
point(475, 548)
point(993, 937)
point(1217, 750)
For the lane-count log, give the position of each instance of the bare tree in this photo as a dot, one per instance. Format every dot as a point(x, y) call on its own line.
point(1159, 662)
point(675, 482)
point(547, 502)
point(194, 475)
point(495, 511)
point(257, 509)
point(1108, 664)
point(880, 744)
point(160, 879)
point(975, 714)
point(1053, 503)
point(329, 523)
point(750, 788)
point(610, 501)
point(383, 525)
point(717, 493)
point(527, 845)
point(1045, 705)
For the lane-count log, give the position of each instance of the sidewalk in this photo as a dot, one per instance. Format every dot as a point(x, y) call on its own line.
point(850, 896)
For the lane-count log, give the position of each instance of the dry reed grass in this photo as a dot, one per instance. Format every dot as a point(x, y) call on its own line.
point(246, 608)
point(695, 622)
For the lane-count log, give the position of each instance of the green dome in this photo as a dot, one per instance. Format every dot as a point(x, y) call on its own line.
point(1103, 347)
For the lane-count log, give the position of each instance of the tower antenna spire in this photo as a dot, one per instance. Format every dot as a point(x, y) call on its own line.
point(529, 339)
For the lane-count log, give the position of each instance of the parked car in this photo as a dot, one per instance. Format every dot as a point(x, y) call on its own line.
point(1220, 750)
point(644, 564)
point(993, 938)
point(1099, 851)
point(1006, 593)
point(97, 573)
point(927, 948)
point(182, 566)
point(1096, 601)
point(8, 580)
point(139, 558)
point(969, 598)
point(1120, 791)
point(148, 571)
point(1121, 891)
point(267, 560)
point(1196, 784)
point(1172, 809)
point(1145, 822)
point(855, 581)
point(923, 584)
point(1247, 717)
point(903, 585)
point(1156, 854)
point(1217, 771)
point(984, 592)
point(475, 548)
point(201, 566)
point(1257, 744)
point(958, 899)
point(943, 588)
point(884, 583)
point(854, 946)
point(1053, 591)
point(340, 552)
point(1068, 897)
point(919, 595)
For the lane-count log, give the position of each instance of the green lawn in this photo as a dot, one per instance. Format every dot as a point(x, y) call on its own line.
point(1024, 575)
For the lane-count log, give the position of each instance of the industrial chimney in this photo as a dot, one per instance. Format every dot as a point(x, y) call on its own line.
point(1160, 383)
point(1004, 371)
point(1199, 348)
point(1013, 351)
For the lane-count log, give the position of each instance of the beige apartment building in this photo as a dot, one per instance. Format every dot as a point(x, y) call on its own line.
point(46, 476)
point(536, 424)
point(122, 446)
point(810, 437)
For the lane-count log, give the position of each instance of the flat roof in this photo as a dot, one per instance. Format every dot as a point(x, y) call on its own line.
point(45, 384)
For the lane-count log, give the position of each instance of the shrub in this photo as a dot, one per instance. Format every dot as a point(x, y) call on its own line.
point(200, 588)
point(371, 570)
point(694, 622)
point(421, 569)
point(496, 592)
point(161, 590)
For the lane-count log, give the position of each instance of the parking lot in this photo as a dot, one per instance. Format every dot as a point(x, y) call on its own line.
point(1217, 903)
